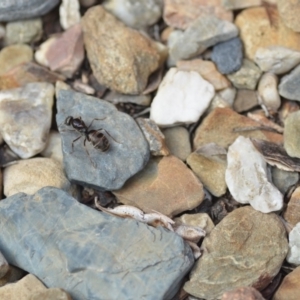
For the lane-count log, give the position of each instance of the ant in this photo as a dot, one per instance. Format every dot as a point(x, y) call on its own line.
point(98, 139)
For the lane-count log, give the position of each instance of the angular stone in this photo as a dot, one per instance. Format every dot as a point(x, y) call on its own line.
point(25, 9)
point(228, 56)
point(276, 59)
point(292, 212)
point(177, 100)
point(209, 164)
point(223, 98)
point(122, 60)
point(166, 185)
point(247, 179)
point(245, 100)
point(260, 27)
point(244, 293)
point(238, 4)
point(291, 134)
point(97, 256)
point(289, 11)
point(247, 248)
point(283, 180)
point(181, 13)
point(69, 13)
point(289, 86)
point(25, 117)
point(203, 33)
point(293, 256)
point(116, 98)
point(207, 70)
point(218, 127)
point(41, 52)
point(246, 77)
point(89, 166)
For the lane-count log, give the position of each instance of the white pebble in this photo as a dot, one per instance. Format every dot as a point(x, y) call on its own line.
point(69, 13)
point(293, 256)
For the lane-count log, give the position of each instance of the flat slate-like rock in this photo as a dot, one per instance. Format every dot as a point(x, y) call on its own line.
point(90, 254)
point(85, 165)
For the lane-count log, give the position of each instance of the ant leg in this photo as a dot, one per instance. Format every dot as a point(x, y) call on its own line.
point(74, 142)
point(87, 152)
point(94, 120)
point(108, 134)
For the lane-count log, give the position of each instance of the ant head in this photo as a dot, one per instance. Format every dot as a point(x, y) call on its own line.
point(68, 120)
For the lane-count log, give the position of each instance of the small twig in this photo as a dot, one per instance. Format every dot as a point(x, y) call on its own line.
point(252, 128)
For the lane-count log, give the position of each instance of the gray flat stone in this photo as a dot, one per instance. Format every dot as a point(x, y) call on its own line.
point(89, 254)
point(289, 86)
point(128, 152)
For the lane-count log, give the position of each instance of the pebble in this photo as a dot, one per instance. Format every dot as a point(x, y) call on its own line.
point(154, 137)
point(115, 98)
point(283, 180)
point(203, 33)
point(289, 11)
point(53, 146)
point(4, 267)
point(291, 134)
point(207, 70)
point(276, 59)
point(24, 32)
point(25, 176)
point(25, 9)
point(293, 256)
point(289, 86)
point(136, 55)
point(247, 179)
point(247, 248)
point(69, 13)
point(165, 185)
point(268, 92)
point(40, 54)
point(66, 53)
point(289, 288)
point(228, 55)
point(181, 13)
point(100, 170)
point(243, 293)
point(139, 14)
point(178, 141)
point(51, 294)
point(82, 258)
point(224, 98)
point(245, 100)
point(257, 31)
point(209, 164)
point(236, 4)
point(177, 99)
point(246, 77)
point(14, 55)
point(292, 211)
point(25, 117)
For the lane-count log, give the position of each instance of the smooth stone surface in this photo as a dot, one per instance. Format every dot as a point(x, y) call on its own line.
point(228, 56)
point(276, 59)
point(116, 98)
point(238, 4)
point(53, 146)
point(178, 141)
point(69, 13)
point(247, 248)
point(291, 134)
point(25, 176)
point(289, 86)
point(25, 9)
point(100, 170)
point(40, 54)
point(182, 98)
point(83, 257)
point(166, 185)
point(293, 256)
point(284, 179)
point(203, 33)
point(209, 164)
point(25, 117)
point(135, 55)
point(223, 98)
point(243, 293)
point(247, 179)
point(139, 14)
point(245, 100)
point(292, 212)
point(289, 11)
point(246, 77)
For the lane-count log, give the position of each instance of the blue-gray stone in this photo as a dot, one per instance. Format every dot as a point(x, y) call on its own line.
point(85, 165)
point(289, 86)
point(12, 10)
point(90, 254)
point(228, 56)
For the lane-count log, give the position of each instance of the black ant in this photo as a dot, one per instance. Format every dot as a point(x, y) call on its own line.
point(98, 139)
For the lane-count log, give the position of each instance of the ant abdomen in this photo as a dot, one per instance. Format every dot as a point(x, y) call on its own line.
point(99, 140)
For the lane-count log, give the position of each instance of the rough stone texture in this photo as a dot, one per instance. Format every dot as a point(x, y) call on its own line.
point(290, 287)
point(209, 164)
point(245, 100)
point(24, 9)
point(291, 134)
point(238, 4)
point(128, 152)
point(115, 98)
point(178, 141)
point(289, 11)
point(25, 176)
point(246, 248)
point(243, 293)
point(276, 59)
point(25, 117)
point(166, 185)
point(83, 257)
point(292, 212)
point(203, 33)
point(228, 56)
point(181, 13)
point(246, 77)
point(122, 60)
point(284, 179)
point(293, 256)
point(207, 70)
point(289, 86)
point(182, 98)
point(51, 294)
point(218, 127)
point(258, 30)
point(69, 13)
